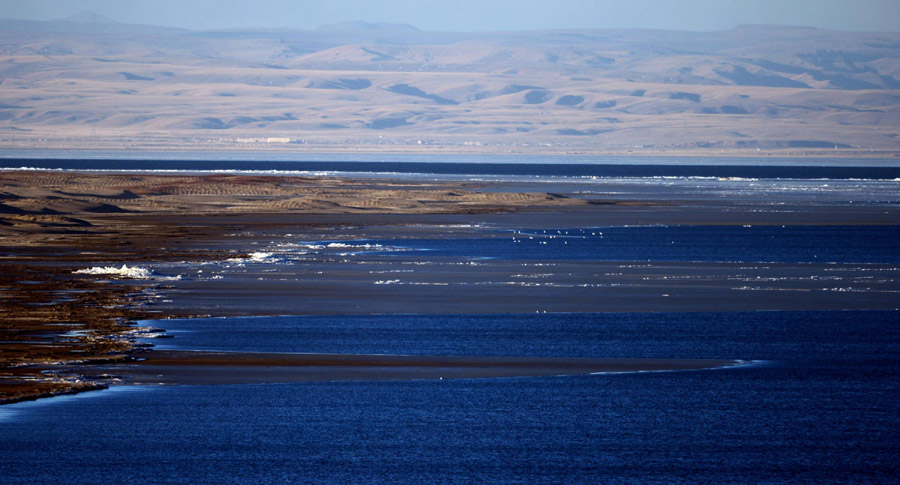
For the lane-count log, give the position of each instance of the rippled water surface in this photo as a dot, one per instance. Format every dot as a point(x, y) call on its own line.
point(821, 406)
point(817, 403)
point(786, 244)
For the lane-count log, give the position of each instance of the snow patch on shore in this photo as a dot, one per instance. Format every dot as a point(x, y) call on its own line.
point(125, 271)
point(258, 257)
point(261, 257)
point(354, 246)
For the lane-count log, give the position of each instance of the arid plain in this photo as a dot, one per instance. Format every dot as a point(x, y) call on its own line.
point(90, 83)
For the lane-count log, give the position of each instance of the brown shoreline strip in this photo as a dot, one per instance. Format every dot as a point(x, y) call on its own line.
point(208, 368)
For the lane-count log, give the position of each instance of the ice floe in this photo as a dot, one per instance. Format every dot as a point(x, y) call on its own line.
point(125, 271)
point(257, 257)
point(355, 246)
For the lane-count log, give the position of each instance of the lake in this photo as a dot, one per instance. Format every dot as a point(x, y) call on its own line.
point(817, 403)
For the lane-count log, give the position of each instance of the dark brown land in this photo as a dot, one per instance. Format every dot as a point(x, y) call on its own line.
point(209, 368)
point(62, 331)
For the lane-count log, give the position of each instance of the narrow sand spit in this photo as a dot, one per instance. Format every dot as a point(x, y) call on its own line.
point(208, 368)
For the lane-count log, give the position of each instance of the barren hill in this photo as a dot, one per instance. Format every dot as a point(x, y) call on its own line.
point(91, 83)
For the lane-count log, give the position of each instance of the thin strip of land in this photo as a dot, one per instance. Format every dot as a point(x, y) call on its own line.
point(209, 368)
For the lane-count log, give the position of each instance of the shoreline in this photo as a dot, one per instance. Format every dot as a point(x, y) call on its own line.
point(191, 367)
point(888, 157)
point(55, 224)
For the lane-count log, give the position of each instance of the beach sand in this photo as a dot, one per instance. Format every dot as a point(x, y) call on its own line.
point(56, 223)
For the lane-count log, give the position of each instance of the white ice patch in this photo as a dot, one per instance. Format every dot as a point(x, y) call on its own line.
point(311, 246)
point(355, 246)
point(135, 272)
point(257, 257)
point(168, 278)
point(261, 257)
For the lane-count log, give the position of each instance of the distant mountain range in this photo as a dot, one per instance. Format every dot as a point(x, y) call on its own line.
point(90, 82)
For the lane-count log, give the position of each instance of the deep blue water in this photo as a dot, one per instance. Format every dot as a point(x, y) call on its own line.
point(557, 167)
point(788, 244)
point(822, 408)
point(820, 405)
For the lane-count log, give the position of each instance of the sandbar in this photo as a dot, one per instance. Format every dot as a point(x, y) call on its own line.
point(207, 368)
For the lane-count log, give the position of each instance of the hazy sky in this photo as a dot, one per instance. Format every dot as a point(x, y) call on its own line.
point(477, 15)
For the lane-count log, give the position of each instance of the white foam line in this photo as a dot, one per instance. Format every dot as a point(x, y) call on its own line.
point(737, 363)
